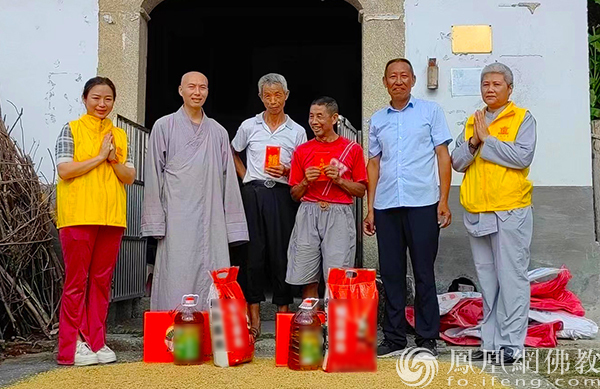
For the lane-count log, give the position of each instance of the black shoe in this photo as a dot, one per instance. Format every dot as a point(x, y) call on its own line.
point(427, 350)
point(504, 357)
point(480, 355)
point(389, 349)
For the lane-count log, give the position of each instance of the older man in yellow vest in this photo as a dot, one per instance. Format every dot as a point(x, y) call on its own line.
point(495, 151)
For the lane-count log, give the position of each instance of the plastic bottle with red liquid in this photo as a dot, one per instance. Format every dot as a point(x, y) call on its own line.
point(188, 330)
point(306, 337)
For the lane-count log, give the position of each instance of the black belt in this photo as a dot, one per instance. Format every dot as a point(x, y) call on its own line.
point(268, 184)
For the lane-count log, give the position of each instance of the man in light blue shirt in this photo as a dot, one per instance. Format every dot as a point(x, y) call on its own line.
point(407, 205)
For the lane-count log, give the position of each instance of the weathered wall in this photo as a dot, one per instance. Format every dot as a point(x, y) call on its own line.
point(49, 50)
point(546, 50)
point(551, 80)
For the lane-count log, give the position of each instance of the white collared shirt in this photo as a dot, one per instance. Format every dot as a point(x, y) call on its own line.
point(254, 135)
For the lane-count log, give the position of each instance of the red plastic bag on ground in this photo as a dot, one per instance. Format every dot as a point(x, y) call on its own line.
point(553, 295)
point(538, 335)
point(229, 322)
point(351, 309)
point(543, 335)
point(467, 313)
point(455, 336)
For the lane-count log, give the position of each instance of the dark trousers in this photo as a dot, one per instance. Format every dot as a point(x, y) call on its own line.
point(415, 228)
point(270, 213)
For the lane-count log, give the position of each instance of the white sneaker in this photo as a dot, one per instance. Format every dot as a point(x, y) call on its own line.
point(106, 355)
point(84, 355)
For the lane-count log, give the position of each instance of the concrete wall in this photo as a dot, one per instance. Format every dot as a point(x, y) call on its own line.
point(550, 65)
point(551, 80)
point(49, 50)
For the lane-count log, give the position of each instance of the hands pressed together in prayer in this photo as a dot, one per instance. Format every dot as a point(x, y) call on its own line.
point(108, 150)
point(107, 147)
point(480, 131)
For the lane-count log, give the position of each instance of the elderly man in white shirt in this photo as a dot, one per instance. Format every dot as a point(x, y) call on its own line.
point(269, 139)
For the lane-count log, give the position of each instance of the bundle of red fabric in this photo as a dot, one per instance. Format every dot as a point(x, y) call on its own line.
point(459, 325)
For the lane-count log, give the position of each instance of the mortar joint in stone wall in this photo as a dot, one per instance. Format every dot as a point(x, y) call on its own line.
point(382, 17)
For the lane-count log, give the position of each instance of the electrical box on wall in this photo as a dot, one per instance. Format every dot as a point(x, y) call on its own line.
point(432, 74)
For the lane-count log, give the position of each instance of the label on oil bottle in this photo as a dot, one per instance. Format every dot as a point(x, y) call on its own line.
point(311, 347)
point(187, 342)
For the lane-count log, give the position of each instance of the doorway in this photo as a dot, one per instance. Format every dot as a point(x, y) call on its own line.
point(315, 44)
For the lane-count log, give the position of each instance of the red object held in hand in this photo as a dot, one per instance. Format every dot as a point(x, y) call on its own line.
point(272, 156)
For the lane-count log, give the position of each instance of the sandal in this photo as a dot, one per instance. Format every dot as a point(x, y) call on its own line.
point(255, 333)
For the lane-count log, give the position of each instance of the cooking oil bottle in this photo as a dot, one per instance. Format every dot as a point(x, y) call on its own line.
point(188, 329)
point(306, 337)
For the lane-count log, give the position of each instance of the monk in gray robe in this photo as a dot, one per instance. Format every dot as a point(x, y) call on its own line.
point(192, 201)
point(495, 151)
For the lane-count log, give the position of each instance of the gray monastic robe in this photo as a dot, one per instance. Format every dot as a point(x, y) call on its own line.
point(192, 199)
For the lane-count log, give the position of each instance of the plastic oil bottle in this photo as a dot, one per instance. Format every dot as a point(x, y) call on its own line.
point(188, 329)
point(306, 338)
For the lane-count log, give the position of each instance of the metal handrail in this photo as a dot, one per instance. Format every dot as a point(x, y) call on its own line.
point(130, 271)
point(347, 130)
point(137, 136)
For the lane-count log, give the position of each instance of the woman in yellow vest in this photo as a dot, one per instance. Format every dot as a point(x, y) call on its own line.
point(94, 165)
point(495, 151)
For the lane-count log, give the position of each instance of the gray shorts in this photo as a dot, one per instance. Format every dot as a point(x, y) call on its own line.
point(320, 233)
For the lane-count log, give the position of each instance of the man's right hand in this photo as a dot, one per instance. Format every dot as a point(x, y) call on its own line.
point(312, 173)
point(369, 224)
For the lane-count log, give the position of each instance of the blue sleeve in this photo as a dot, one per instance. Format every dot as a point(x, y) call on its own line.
point(440, 133)
point(374, 145)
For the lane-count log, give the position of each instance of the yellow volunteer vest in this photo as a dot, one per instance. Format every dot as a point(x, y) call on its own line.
point(97, 197)
point(488, 187)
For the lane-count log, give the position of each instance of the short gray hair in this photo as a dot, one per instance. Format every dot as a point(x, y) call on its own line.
point(272, 79)
point(501, 68)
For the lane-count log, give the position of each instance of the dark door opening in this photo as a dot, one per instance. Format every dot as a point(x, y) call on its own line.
point(315, 44)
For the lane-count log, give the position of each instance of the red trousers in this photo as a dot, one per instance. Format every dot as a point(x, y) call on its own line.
point(90, 254)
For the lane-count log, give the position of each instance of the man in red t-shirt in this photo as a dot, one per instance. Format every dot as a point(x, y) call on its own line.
point(326, 173)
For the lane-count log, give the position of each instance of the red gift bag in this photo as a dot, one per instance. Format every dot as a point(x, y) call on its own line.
point(351, 310)
point(229, 321)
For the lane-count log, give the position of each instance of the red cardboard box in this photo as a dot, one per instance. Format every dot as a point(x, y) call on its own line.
point(158, 328)
point(283, 324)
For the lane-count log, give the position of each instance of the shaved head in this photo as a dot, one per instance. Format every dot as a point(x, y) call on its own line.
point(194, 90)
point(195, 76)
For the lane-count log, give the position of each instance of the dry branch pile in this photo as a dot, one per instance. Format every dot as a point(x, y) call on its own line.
point(30, 272)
